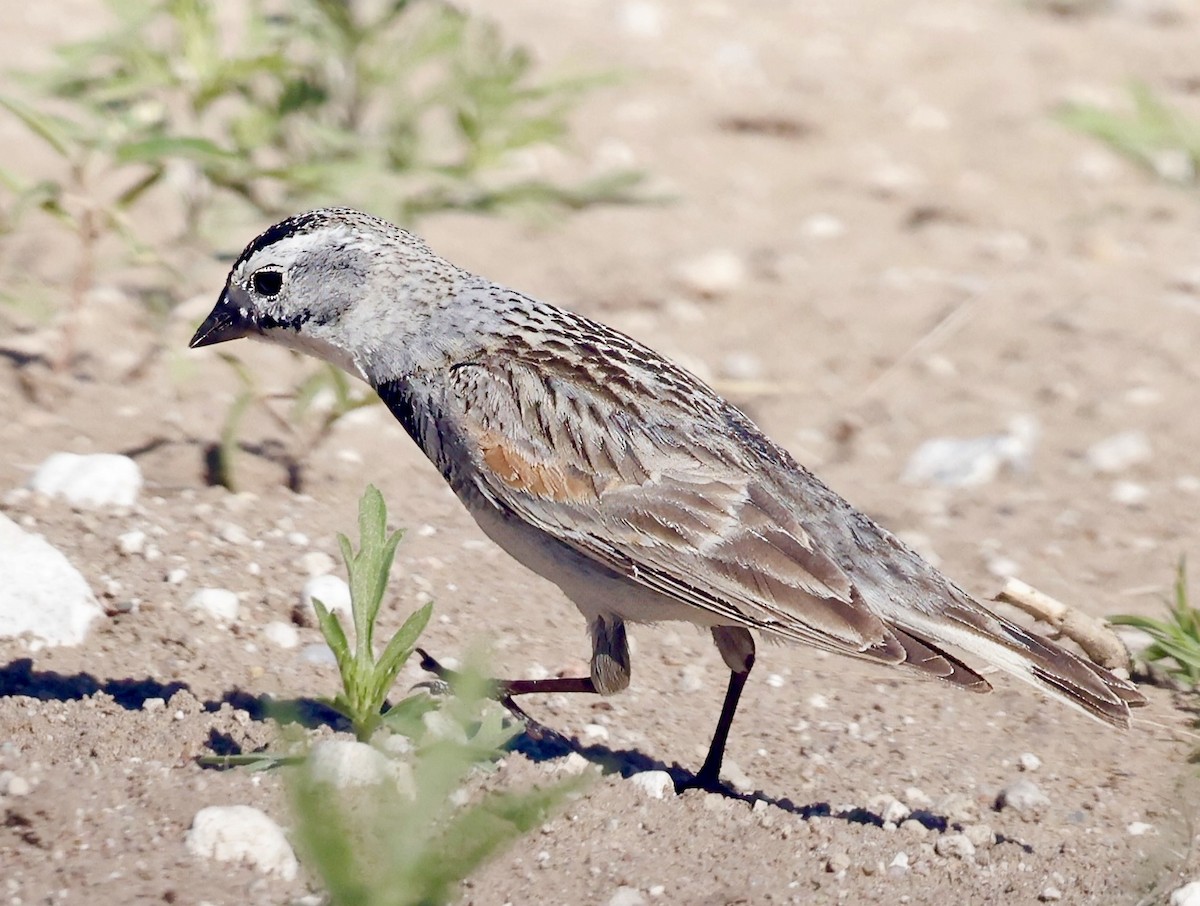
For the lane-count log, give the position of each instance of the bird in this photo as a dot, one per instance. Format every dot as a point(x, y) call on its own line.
point(621, 477)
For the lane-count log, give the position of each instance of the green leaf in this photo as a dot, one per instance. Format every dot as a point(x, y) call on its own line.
point(56, 131)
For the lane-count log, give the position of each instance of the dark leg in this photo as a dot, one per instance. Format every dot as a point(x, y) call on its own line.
point(737, 649)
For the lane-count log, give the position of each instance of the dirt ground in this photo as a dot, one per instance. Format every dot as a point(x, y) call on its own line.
point(926, 252)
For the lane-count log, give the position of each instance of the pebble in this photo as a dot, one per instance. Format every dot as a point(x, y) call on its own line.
point(1050, 895)
point(654, 784)
point(41, 594)
point(92, 481)
point(234, 534)
point(317, 563)
point(177, 576)
point(1027, 761)
point(957, 845)
point(1119, 452)
point(1187, 895)
point(346, 763)
point(1129, 493)
point(241, 833)
point(1024, 797)
point(283, 635)
point(14, 785)
point(980, 835)
point(894, 811)
point(131, 543)
point(1139, 828)
point(627, 896)
point(823, 226)
point(691, 678)
point(917, 797)
point(713, 274)
point(575, 763)
point(956, 462)
point(219, 603)
point(837, 862)
point(332, 591)
point(319, 654)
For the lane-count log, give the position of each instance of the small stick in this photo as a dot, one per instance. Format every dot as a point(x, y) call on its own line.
point(1092, 634)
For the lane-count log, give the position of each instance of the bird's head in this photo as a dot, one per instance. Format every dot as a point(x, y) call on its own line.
point(331, 283)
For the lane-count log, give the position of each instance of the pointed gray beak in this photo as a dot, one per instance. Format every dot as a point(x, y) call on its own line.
point(225, 322)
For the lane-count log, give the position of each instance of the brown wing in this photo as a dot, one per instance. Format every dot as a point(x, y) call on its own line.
point(666, 501)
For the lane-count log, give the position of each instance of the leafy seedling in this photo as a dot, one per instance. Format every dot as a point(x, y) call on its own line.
point(366, 680)
point(1176, 638)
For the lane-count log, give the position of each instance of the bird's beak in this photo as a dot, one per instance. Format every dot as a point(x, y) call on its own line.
point(225, 322)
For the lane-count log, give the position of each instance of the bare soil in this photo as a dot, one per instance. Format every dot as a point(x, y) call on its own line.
point(928, 253)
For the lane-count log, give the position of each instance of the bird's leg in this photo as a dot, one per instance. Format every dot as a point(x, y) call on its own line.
point(737, 649)
point(609, 673)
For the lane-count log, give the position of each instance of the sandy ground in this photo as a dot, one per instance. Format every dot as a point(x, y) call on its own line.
point(926, 253)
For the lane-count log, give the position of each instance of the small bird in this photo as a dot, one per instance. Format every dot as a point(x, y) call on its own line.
point(619, 476)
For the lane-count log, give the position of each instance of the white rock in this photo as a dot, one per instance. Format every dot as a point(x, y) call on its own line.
point(219, 603)
point(574, 763)
point(1139, 828)
point(641, 19)
point(627, 896)
point(956, 845)
point(1187, 895)
point(282, 634)
point(595, 731)
point(956, 462)
point(894, 811)
point(13, 785)
point(319, 654)
point(95, 480)
point(332, 591)
point(1028, 761)
point(131, 543)
point(980, 835)
point(41, 593)
point(240, 833)
point(714, 274)
point(232, 533)
point(691, 678)
point(176, 576)
point(1050, 895)
point(1129, 493)
point(345, 763)
point(1119, 452)
point(1023, 796)
point(317, 563)
point(654, 784)
point(823, 226)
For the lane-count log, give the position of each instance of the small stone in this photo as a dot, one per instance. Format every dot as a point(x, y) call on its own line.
point(154, 704)
point(1119, 452)
point(1139, 828)
point(240, 833)
point(691, 678)
point(914, 828)
point(345, 763)
point(956, 845)
point(219, 603)
point(233, 534)
point(92, 481)
point(1129, 493)
point(41, 594)
point(775, 681)
point(654, 784)
point(284, 635)
point(837, 862)
point(894, 811)
point(980, 835)
point(177, 576)
point(574, 763)
point(1027, 761)
point(1187, 895)
point(712, 275)
point(595, 731)
point(318, 654)
point(1050, 895)
point(317, 563)
point(956, 462)
point(823, 226)
point(627, 896)
point(14, 785)
point(1024, 797)
point(917, 797)
point(818, 701)
point(332, 591)
point(131, 543)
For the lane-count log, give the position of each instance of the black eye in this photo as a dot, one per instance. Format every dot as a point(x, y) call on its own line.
point(267, 282)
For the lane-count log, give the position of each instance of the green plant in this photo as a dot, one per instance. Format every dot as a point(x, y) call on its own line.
point(366, 680)
point(1177, 637)
point(1156, 136)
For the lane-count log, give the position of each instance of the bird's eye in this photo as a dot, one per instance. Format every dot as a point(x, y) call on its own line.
point(267, 282)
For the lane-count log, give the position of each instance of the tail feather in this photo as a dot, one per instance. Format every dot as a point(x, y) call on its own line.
point(1029, 657)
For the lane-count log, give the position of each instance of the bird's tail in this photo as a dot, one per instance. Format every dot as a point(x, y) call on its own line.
point(1027, 656)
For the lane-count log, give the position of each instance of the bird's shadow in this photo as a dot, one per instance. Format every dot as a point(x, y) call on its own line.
point(536, 742)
